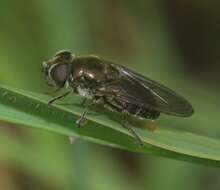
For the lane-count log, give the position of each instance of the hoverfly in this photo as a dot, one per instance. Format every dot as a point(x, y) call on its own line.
point(116, 87)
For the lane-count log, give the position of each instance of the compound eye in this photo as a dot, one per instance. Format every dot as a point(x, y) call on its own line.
point(59, 74)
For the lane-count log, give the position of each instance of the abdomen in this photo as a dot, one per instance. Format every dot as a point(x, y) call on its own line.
point(137, 111)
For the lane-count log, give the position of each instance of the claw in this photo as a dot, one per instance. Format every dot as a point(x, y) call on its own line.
point(80, 122)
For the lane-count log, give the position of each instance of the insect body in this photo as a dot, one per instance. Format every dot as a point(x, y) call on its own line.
point(116, 87)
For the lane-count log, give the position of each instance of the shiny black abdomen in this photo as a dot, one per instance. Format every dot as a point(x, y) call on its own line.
point(142, 112)
point(131, 108)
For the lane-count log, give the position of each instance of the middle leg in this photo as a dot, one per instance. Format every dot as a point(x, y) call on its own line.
point(81, 119)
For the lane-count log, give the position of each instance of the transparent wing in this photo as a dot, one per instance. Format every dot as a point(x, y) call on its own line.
point(125, 90)
point(150, 94)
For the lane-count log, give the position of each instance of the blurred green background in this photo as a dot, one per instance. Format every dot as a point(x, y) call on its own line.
point(173, 42)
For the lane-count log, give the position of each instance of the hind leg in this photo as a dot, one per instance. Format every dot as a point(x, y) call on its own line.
point(127, 126)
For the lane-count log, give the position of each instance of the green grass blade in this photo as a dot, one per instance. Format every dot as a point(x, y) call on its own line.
point(29, 109)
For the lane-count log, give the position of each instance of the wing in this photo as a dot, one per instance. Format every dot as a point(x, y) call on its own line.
point(125, 90)
point(145, 92)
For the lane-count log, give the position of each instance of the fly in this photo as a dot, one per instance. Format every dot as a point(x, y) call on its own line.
point(116, 87)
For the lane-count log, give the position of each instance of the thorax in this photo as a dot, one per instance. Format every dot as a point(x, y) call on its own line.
point(85, 92)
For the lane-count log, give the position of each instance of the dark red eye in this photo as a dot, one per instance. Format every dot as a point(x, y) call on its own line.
point(59, 74)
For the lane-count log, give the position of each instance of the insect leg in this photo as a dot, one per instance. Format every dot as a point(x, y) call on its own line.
point(80, 121)
point(127, 126)
point(83, 102)
point(82, 118)
point(58, 97)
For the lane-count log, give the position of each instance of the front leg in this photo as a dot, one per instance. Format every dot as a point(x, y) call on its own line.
point(58, 97)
